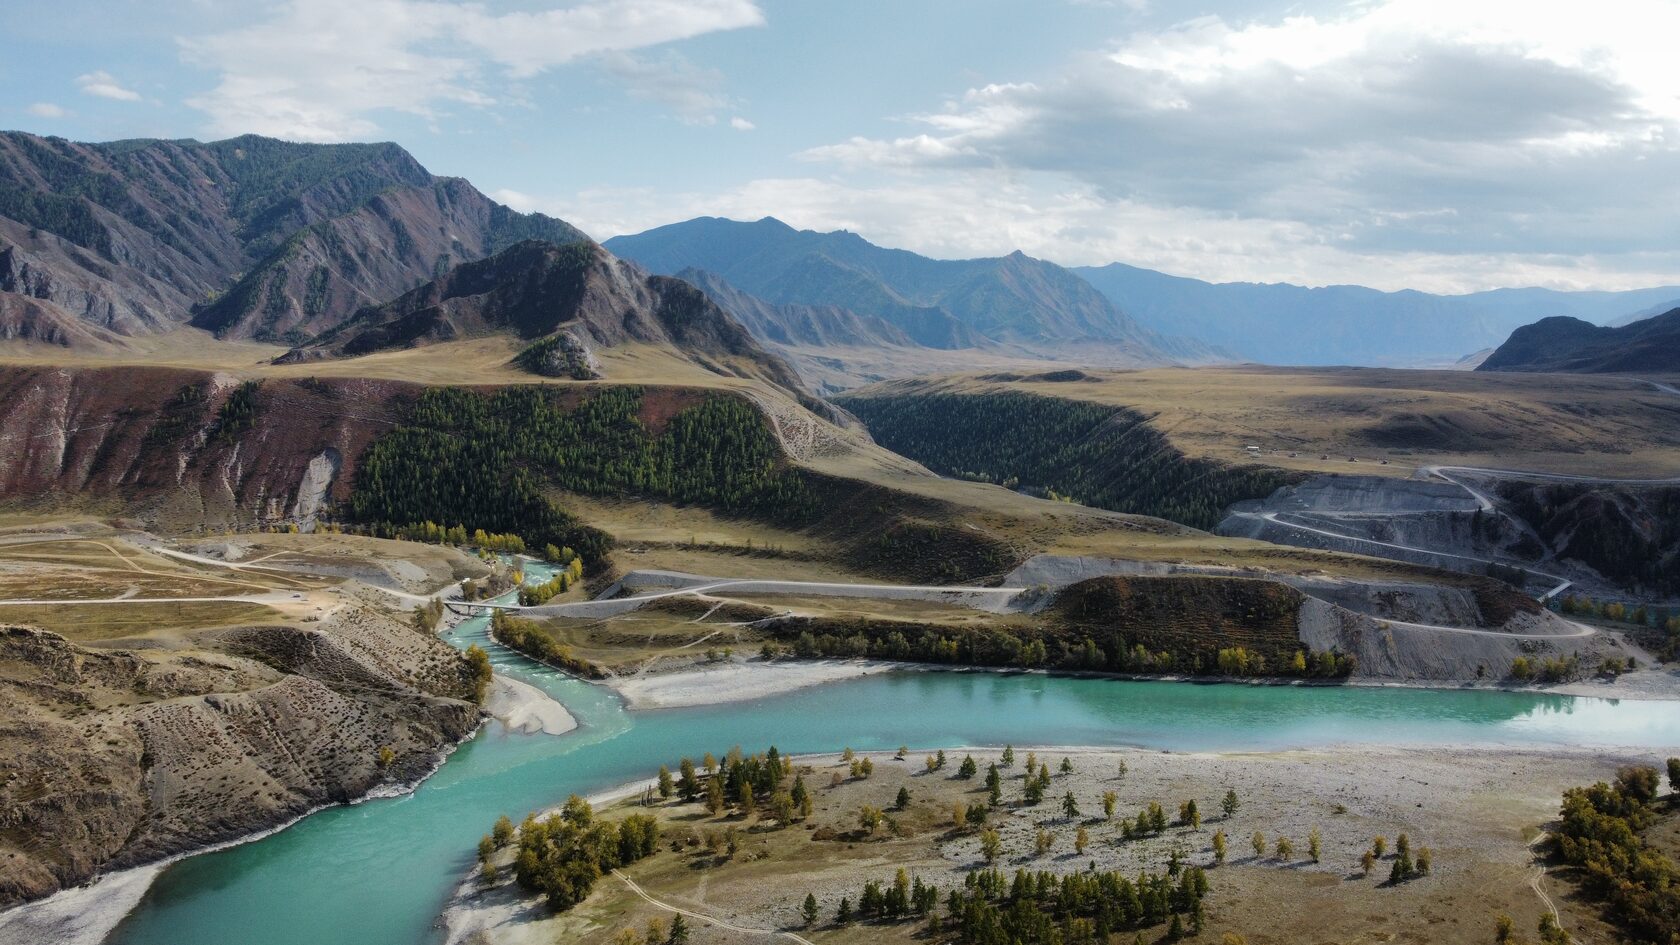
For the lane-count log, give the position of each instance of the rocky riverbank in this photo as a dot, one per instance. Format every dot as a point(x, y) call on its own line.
point(122, 757)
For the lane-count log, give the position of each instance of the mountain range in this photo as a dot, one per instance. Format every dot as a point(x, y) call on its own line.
point(937, 303)
point(1563, 344)
point(311, 246)
point(1279, 323)
point(334, 250)
point(248, 237)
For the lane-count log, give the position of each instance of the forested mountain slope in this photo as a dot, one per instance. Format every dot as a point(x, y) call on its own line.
point(1109, 457)
point(251, 237)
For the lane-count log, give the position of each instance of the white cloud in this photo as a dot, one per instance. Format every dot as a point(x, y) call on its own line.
point(693, 94)
point(965, 214)
point(46, 110)
point(104, 85)
point(522, 202)
point(741, 124)
point(322, 70)
point(1482, 135)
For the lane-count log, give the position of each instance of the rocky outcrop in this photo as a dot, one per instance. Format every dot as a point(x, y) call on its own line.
point(318, 477)
point(116, 758)
point(562, 354)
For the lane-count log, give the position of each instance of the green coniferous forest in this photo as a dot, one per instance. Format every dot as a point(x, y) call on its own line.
point(489, 459)
point(1108, 457)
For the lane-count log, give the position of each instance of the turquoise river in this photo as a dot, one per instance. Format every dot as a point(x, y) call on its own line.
point(379, 872)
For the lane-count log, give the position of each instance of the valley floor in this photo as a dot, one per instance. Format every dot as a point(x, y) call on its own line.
point(1479, 812)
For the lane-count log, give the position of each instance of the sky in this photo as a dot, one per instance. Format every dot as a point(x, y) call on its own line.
point(1443, 145)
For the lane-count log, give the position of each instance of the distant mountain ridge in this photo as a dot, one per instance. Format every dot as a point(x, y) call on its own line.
point(793, 324)
point(250, 237)
point(1280, 323)
point(1563, 344)
point(938, 303)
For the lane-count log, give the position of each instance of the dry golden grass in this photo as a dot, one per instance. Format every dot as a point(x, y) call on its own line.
point(1578, 424)
point(483, 360)
point(414, 566)
point(836, 368)
point(93, 622)
point(103, 566)
point(637, 522)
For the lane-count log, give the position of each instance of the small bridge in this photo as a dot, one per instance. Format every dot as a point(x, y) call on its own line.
point(471, 608)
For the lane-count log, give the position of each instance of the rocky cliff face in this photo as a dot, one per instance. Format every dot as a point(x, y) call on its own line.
point(118, 757)
point(131, 237)
point(186, 448)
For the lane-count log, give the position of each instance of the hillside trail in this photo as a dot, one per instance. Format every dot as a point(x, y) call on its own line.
point(1534, 883)
point(702, 917)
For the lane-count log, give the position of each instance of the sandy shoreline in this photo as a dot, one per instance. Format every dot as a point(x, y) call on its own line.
point(524, 708)
point(746, 680)
point(717, 683)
